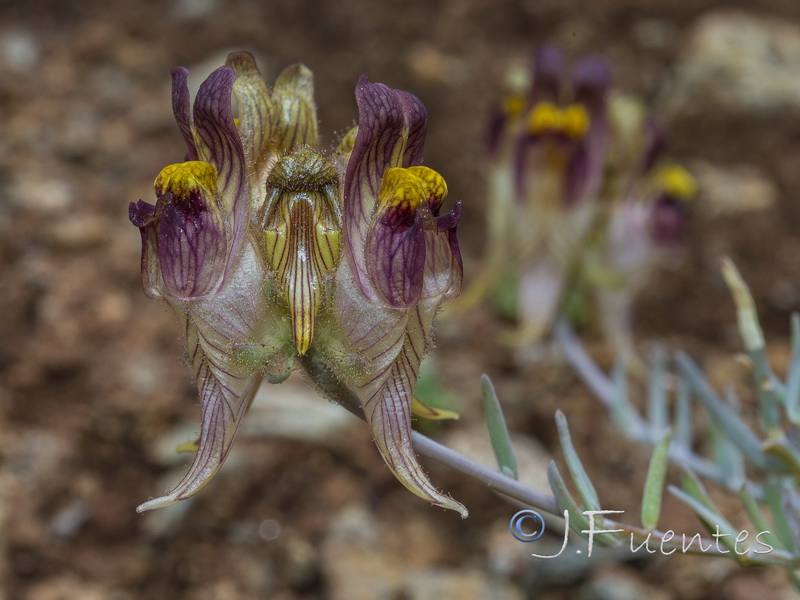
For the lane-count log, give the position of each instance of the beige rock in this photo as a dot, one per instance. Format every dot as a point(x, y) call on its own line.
point(733, 189)
point(739, 62)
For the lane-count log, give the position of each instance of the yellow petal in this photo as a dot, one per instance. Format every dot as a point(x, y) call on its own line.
point(418, 409)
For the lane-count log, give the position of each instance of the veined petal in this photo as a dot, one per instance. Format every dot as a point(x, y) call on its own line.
point(296, 116)
point(391, 133)
point(223, 407)
point(192, 244)
point(213, 327)
point(180, 108)
point(444, 270)
point(395, 246)
point(218, 141)
point(142, 215)
point(299, 229)
point(388, 413)
point(390, 344)
point(256, 113)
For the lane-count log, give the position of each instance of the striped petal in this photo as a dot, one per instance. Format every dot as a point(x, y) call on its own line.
point(296, 113)
point(391, 133)
point(256, 115)
point(390, 344)
point(180, 108)
point(299, 230)
point(226, 386)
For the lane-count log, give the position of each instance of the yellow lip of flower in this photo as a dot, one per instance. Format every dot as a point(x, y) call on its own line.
point(513, 105)
point(406, 189)
point(183, 178)
point(572, 120)
point(677, 182)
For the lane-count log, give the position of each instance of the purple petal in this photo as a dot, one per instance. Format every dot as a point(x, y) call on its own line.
point(668, 221)
point(192, 246)
point(213, 120)
point(592, 79)
point(391, 133)
point(548, 67)
point(494, 136)
point(180, 107)
point(224, 399)
point(142, 214)
point(578, 176)
point(656, 141)
point(444, 269)
point(222, 147)
point(396, 257)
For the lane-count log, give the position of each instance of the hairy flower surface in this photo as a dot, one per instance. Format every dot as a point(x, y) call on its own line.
point(196, 256)
point(401, 262)
point(270, 251)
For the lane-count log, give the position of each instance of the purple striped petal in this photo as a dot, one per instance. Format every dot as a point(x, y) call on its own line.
point(444, 270)
point(180, 108)
point(220, 143)
point(192, 246)
point(548, 70)
point(391, 133)
point(396, 256)
point(142, 215)
point(388, 413)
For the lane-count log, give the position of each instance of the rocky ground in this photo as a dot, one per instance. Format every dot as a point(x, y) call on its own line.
point(94, 398)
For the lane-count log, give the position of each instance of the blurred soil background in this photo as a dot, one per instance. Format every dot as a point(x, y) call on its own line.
point(94, 397)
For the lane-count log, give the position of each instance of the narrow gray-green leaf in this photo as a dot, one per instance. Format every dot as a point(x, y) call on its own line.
point(757, 517)
point(725, 417)
point(714, 522)
point(683, 415)
point(727, 458)
point(793, 377)
point(656, 393)
point(623, 414)
point(577, 519)
point(654, 484)
point(498, 432)
point(577, 472)
point(780, 447)
point(773, 495)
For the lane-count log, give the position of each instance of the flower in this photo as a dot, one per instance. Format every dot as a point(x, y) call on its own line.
point(245, 240)
point(645, 210)
point(204, 241)
point(401, 263)
point(196, 256)
point(546, 161)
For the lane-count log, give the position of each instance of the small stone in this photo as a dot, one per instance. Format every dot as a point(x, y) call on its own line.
point(430, 65)
point(435, 584)
point(739, 62)
point(733, 190)
point(79, 231)
point(297, 412)
point(67, 521)
point(32, 191)
point(614, 585)
point(19, 50)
